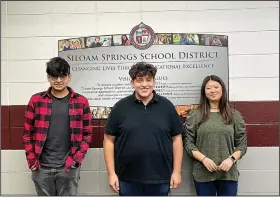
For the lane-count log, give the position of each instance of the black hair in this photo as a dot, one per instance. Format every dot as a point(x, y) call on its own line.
point(225, 109)
point(58, 67)
point(142, 69)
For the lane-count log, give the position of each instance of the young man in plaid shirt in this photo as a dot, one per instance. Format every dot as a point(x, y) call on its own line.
point(57, 133)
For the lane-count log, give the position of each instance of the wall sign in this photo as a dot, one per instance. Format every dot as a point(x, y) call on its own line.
point(100, 64)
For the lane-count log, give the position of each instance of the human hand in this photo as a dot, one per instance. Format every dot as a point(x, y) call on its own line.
point(225, 165)
point(175, 180)
point(74, 164)
point(114, 183)
point(33, 168)
point(209, 164)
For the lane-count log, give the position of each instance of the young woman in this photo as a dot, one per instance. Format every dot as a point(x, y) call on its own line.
point(215, 137)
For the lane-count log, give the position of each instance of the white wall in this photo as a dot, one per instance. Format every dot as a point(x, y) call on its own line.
point(259, 167)
point(30, 31)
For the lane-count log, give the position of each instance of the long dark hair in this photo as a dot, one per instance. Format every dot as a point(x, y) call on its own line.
point(224, 108)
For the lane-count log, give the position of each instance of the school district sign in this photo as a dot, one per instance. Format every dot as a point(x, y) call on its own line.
point(100, 64)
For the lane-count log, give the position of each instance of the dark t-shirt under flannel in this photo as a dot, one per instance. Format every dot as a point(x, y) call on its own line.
point(57, 145)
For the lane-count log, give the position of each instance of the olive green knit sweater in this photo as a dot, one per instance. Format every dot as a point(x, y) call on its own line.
point(217, 141)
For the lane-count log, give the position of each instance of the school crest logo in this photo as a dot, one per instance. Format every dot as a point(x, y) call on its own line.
point(142, 36)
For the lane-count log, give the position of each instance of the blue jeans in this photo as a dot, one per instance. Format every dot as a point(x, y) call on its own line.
point(56, 182)
point(140, 189)
point(219, 188)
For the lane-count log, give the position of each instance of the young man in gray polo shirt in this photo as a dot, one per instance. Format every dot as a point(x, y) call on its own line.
point(143, 147)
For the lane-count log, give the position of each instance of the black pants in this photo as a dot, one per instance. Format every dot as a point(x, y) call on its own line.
point(56, 182)
point(216, 188)
point(140, 189)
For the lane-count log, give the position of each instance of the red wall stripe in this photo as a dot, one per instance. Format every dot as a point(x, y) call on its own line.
point(259, 112)
point(262, 119)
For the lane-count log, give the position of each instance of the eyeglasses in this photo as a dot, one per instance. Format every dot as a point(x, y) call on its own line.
point(55, 78)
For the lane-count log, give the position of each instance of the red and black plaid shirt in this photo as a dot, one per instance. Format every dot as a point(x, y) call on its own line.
point(37, 122)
